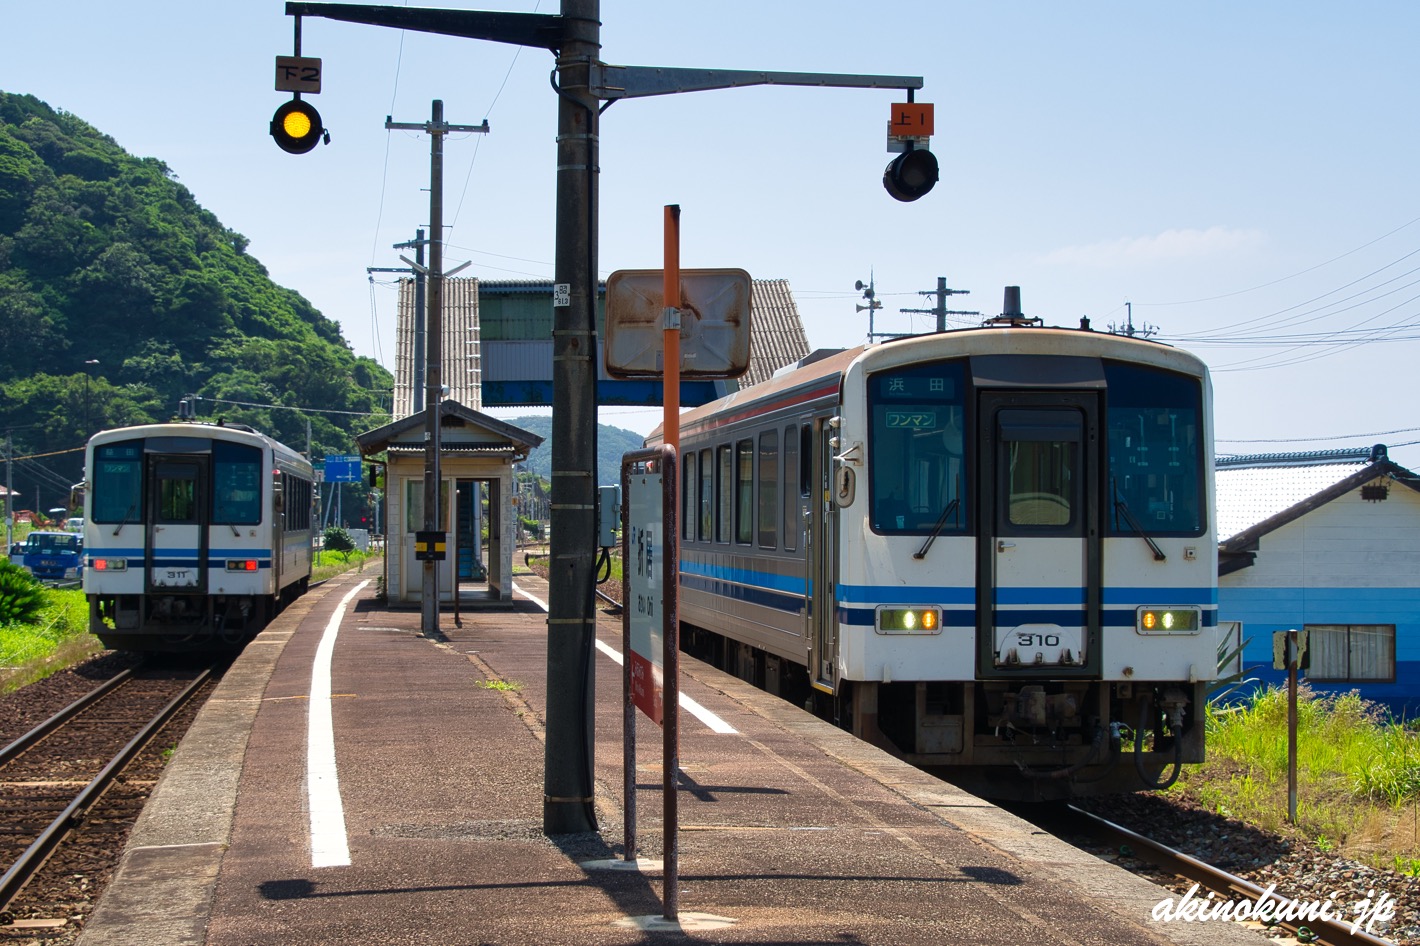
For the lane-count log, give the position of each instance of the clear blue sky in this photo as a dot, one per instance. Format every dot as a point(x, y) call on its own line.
point(1243, 173)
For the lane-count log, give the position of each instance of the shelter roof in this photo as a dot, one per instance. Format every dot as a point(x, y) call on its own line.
point(408, 431)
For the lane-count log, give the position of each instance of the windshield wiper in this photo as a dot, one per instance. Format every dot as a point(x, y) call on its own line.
point(125, 519)
point(224, 511)
point(936, 529)
point(1123, 508)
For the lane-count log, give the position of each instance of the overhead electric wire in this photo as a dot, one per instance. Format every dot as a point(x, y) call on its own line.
point(291, 407)
point(1271, 315)
point(1373, 433)
point(1240, 292)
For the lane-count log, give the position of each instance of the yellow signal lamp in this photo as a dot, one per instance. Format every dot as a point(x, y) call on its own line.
point(297, 127)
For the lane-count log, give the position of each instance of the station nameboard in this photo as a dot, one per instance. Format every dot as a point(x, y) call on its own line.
point(645, 591)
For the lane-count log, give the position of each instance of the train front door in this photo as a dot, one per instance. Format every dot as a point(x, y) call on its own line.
point(1039, 541)
point(177, 534)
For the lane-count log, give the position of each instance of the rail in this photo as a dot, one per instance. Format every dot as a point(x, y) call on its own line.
point(28, 863)
point(62, 717)
point(1328, 932)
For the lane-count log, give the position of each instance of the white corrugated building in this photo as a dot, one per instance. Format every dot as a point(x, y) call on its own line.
point(1326, 542)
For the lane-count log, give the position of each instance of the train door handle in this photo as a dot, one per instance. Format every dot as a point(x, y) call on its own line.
point(1002, 545)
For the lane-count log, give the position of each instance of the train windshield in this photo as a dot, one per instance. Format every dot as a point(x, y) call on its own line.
point(916, 460)
point(118, 482)
point(1155, 451)
point(236, 481)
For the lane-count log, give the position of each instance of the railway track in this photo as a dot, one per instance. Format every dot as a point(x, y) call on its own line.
point(59, 780)
point(1072, 821)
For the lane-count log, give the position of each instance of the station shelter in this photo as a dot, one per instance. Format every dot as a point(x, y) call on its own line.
point(475, 503)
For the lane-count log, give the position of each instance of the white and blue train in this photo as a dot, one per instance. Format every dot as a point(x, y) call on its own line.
point(195, 535)
point(988, 550)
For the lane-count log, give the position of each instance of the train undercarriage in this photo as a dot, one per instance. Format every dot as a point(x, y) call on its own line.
point(178, 623)
point(1032, 739)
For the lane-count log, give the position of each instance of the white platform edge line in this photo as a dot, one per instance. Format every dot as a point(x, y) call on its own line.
point(713, 722)
point(329, 845)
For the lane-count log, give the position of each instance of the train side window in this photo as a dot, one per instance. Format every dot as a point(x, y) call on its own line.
point(806, 460)
point(707, 496)
point(236, 484)
point(769, 489)
point(744, 492)
point(791, 476)
point(724, 476)
point(297, 504)
point(117, 485)
point(688, 492)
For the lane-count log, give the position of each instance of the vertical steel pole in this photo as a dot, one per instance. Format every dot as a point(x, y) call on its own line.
point(568, 804)
point(670, 544)
point(429, 615)
point(628, 708)
point(670, 664)
point(1292, 727)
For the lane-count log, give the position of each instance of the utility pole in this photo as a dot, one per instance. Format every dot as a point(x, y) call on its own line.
point(417, 268)
point(568, 803)
point(1143, 331)
point(9, 495)
point(940, 310)
point(436, 128)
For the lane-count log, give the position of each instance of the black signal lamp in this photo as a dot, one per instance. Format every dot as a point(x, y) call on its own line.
point(911, 174)
point(296, 126)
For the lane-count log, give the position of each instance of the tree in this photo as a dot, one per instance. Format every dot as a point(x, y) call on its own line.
point(338, 540)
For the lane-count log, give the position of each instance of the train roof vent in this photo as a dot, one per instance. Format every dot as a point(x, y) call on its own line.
point(1011, 311)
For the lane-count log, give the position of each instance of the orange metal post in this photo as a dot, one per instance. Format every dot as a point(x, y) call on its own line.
point(671, 295)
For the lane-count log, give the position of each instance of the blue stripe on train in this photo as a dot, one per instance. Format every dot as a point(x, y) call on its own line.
point(753, 594)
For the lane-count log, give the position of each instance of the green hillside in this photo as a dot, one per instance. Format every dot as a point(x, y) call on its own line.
point(612, 442)
point(120, 295)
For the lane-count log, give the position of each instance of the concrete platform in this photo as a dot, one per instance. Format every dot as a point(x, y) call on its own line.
point(791, 830)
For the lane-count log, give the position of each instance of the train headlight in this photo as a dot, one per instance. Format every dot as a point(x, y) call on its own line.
point(909, 620)
point(1169, 620)
point(242, 565)
point(110, 564)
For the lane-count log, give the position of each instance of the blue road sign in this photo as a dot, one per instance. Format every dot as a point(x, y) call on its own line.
point(341, 469)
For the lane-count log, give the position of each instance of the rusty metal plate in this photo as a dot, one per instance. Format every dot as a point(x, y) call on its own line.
point(714, 323)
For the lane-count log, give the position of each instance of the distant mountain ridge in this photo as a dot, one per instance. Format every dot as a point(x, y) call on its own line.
point(612, 442)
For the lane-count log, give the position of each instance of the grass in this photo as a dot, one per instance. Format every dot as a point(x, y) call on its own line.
point(329, 564)
point(1358, 774)
point(59, 638)
point(505, 686)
